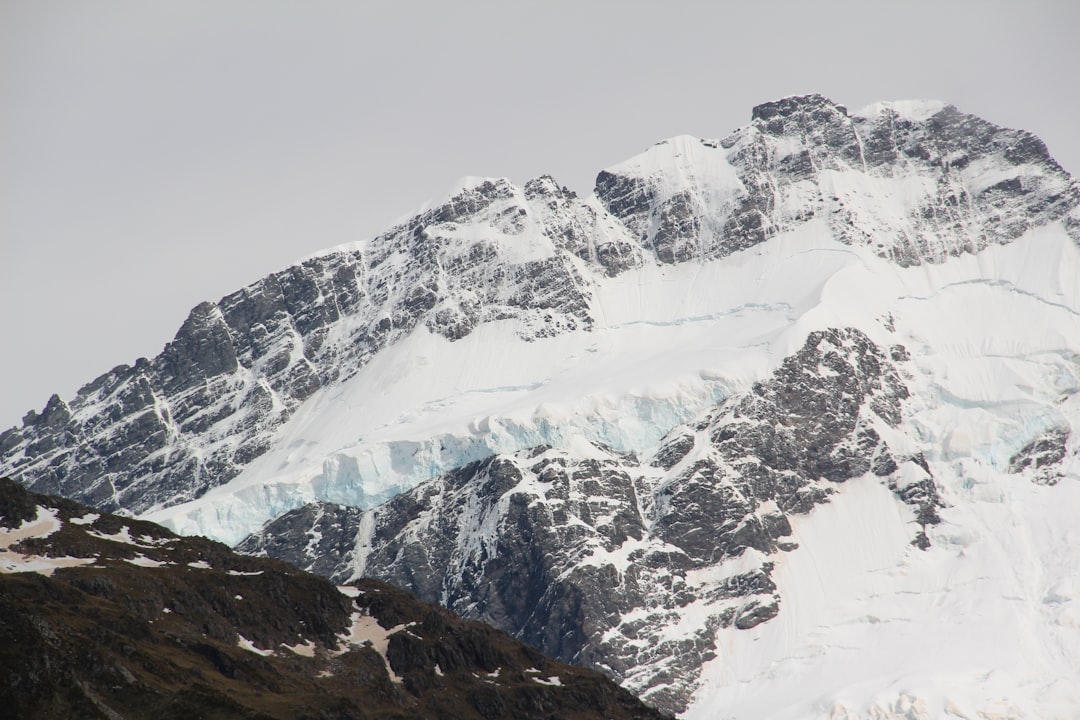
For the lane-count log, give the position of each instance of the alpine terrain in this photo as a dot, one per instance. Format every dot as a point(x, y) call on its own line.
point(777, 425)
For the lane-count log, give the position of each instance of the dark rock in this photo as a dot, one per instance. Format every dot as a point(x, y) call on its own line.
point(673, 451)
point(202, 350)
point(1043, 452)
point(755, 614)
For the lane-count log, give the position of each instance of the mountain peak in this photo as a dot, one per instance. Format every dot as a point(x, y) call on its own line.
point(536, 257)
point(796, 105)
point(632, 410)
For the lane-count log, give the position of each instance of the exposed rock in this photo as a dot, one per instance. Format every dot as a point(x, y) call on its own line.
point(167, 430)
point(1041, 455)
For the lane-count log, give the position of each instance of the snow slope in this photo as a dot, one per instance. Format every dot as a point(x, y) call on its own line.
point(983, 624)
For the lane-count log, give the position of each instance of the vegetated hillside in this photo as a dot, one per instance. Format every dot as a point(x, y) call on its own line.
point(109, 617)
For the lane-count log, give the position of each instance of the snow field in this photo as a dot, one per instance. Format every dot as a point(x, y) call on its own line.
point(982, 622)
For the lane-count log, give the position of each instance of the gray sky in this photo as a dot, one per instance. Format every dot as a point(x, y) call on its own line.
point(154, 154)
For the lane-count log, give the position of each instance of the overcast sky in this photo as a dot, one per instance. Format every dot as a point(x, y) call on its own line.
point(157, 153)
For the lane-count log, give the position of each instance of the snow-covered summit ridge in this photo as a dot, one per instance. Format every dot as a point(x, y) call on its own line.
point(631, 266)
point(916, 181)
point(910, 110)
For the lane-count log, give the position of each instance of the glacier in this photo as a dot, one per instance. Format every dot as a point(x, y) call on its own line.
point(679, 340)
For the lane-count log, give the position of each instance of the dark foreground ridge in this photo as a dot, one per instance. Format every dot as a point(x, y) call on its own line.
point(108, 617)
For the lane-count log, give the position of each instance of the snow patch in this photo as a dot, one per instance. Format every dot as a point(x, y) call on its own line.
point(349, 590)
point(143, 561)
point(46, 522)
point(124, 536)
point(304, 649)
point(245, 644)
point(365, 631)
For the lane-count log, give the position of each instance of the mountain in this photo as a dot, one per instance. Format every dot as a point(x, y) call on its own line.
point(108, 617)
point(775, 425)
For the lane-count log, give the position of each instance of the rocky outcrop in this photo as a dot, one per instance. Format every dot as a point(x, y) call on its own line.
point(1040, 457)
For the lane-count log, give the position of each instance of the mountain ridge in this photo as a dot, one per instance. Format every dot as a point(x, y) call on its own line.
point(809, 389)
point(166, 431)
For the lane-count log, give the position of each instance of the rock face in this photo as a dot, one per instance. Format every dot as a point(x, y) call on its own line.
point(168, 429)
point(106, 617)
point(1042, 455)
point(593, 559)
point(165, 431)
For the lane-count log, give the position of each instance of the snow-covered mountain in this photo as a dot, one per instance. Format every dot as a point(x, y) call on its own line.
point(777, 425)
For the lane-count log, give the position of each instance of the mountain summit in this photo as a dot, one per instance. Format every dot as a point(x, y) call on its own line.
point(778, 424)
